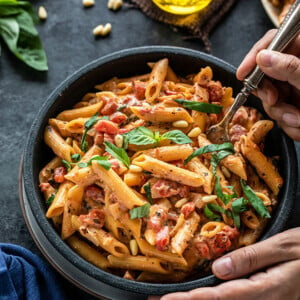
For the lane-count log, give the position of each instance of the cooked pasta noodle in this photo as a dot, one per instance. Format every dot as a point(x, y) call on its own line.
point(138, 194)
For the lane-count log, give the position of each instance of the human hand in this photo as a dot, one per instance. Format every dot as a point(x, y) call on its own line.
point(274, 264)
point(281, 96)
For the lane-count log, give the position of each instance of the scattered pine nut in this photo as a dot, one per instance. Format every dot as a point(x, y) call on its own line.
point(42, 13)
point(226, 172)
point(118, 140)
point(88, 3)
point(133, 247)
point(181, 202)
point(114, 4)
point(180, 124)
point(209, 198)
point(102, 30)
point(194, 132)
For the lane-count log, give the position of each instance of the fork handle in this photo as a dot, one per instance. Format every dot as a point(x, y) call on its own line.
point(288, 30)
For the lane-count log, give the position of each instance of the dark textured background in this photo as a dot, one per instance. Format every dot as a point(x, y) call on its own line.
point(68, 40)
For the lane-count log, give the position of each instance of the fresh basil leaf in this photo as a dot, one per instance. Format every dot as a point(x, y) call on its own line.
point(91, 121)
point(140, 136)
point(76, 157)
point(255, 201)
point(239, 205)
point(147, 188)
point(224, 197)
point(88, 125)
point(140, 212)
point(22, 39)
point(216, 208)
point(82, 165)
point(216, 158)
point(210, 148)
point(101, 160)
point(177, 137)
point(210, 214)
point(50, 199)
point(67, 165)
point(118, 153)
point(200, 106)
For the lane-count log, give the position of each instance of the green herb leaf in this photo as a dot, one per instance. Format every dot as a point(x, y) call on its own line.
point(18, 32)
point(210, 148)
point(88, 125)
point(67, 165)
point(118, 153)
point(147, 188)
point(200, 106)
point(216, 158)
point(224, 197)
point(177, 137)
point(140, 136)
point(239, 205)
point(210, 214)
point(101, 160)
point(216, 208)
point(140, 212)
point(50, 199)
point(76, 157)
point(255, 201)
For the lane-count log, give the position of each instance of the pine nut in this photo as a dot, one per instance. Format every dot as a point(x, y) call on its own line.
point(114, 4)
point(226, 172)
point(42, 13)
point(135, 169)
point(119, 140)
point(209, 198)
point(102, 30)
point(194, 132)
point(88, 3)
point(180, 124)
point(181, 202)
point(133, 247)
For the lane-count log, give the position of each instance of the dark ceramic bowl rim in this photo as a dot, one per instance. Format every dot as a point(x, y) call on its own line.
point(34, 199)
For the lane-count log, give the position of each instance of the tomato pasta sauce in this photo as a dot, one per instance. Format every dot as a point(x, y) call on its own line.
point(137, 188)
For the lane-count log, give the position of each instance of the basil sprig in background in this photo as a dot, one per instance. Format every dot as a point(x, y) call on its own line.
point(18, 32)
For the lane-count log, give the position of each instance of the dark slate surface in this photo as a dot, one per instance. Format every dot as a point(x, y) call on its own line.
point(69, 43)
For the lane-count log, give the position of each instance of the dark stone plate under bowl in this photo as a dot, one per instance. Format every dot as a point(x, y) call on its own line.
point(36, 154)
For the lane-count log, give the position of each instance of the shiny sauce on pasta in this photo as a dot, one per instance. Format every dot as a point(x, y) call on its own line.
point(137, 189)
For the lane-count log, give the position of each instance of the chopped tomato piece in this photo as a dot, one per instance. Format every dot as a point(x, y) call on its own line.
point(107, 127)
point(44, 186)
point(215, 91)
point(109, 107)
point(167, 188)
point(203, 249)
point(94, 193)
point(187, 209)
point(139, 88)
point(118, 117)
point(158, 217)
point(163, 238)
point(59, 174)
point(94, 218)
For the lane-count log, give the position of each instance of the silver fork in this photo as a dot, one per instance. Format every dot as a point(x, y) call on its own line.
point(289, 29)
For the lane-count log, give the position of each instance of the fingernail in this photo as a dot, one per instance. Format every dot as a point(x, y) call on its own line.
point(223, 266)
point(291, 120)
point(267, 58)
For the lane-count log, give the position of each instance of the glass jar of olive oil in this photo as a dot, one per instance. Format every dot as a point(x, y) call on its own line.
point(181, 7)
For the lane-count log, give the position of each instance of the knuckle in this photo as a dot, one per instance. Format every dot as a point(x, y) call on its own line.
point(288, 244)
point(292, 64)
point(251, 258)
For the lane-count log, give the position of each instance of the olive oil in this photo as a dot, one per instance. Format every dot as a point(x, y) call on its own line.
point(181, 7)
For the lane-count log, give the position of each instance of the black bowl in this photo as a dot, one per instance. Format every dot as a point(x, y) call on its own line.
point(36, 154)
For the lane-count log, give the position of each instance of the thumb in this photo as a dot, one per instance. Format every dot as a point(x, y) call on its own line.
point(279, 248)
point(284, 67)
